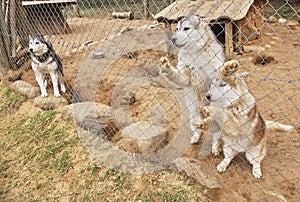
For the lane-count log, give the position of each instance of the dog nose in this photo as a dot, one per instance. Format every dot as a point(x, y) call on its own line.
point(30, 50)
point(173, 40)
point(208, 96)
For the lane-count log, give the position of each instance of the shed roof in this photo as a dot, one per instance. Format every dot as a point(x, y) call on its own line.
point(214, 9)
point(38, 2)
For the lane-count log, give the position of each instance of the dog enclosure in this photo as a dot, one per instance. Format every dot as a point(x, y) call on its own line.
point(129, 116)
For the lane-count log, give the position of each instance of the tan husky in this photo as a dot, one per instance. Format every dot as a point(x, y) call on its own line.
point(234, 109)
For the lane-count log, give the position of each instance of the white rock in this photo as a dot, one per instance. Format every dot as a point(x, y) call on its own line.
point(268, 46)
point(249, 48)
point(282, 20)
point(26, 88)
point(98, 55)
point(146, 135)
point(49, 103)
point(125, 29)
point(272, 19)
point(90, 115)
point(292, 23)
point(275, 38)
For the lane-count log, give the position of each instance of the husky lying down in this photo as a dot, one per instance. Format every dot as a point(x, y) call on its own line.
point(44, 61)
point(234, 109)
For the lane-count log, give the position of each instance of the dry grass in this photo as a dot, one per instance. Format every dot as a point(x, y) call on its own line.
point(42, 159)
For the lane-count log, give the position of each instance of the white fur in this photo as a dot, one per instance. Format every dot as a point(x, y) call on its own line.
point(199, 58)
point(49, 66)
point(233, 107)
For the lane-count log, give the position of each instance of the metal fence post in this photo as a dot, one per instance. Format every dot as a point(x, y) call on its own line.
point(146, 8)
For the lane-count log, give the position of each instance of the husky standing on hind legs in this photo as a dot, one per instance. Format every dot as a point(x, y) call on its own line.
point(44, 61)
point(200, 56)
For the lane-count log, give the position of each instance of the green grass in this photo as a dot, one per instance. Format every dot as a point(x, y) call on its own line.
point(42, 159)
point(289, 12)
point(10, 100)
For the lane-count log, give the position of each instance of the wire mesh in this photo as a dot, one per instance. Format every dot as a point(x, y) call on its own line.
point(134, 118)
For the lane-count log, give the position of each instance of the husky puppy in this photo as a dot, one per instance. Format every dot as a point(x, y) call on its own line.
point(199, 57)
point(234, 109)
point(44, 61)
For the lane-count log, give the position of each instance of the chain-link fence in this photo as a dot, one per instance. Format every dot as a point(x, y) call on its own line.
point(138, 115)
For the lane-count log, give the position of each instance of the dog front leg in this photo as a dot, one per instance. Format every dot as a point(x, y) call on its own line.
point(54, 78)
point(42, 83)
point(181, 77)
point(229, 154)
point(61, 82)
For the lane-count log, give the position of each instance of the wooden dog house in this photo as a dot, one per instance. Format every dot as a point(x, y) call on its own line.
point(241, 20)
point(18, 19)
point(47, 16)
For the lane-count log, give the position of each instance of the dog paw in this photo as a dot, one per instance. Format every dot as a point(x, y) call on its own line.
point(257, 172)
point(200, 124)
point(56, 94)
point(195, 138)
point(222, 167)
point(216, 149)
point(165, 65)
point(63, 88)
point(44, 94)
point(206, 111)
point(230, 67)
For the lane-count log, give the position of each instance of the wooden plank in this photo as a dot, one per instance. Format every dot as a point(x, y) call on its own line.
point(6, 11)
point(146, 8)
point(32, 3)
point(3, 5)
point(23, 25)
point(4, 58)
point(228, 40)
point(13, 27)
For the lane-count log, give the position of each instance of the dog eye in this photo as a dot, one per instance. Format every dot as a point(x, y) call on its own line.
point(186, 29)
point(36, 43)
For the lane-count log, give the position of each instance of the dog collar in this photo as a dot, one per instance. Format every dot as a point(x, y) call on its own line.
point(43, 58)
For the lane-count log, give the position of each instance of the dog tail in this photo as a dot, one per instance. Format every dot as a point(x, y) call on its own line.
point(275, 126)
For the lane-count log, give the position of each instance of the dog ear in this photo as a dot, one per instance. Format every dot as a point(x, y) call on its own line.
point(195, 19)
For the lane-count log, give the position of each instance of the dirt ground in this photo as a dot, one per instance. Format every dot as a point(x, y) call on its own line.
point(274, 83)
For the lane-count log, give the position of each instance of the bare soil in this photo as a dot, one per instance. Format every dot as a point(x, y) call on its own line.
point(274, 83)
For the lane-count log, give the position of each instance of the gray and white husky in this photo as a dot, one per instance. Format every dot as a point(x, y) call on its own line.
point(45, 61)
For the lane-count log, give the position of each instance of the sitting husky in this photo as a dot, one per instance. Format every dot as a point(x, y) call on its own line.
point(44, 61)
point(199, 57)
point(234, 109)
